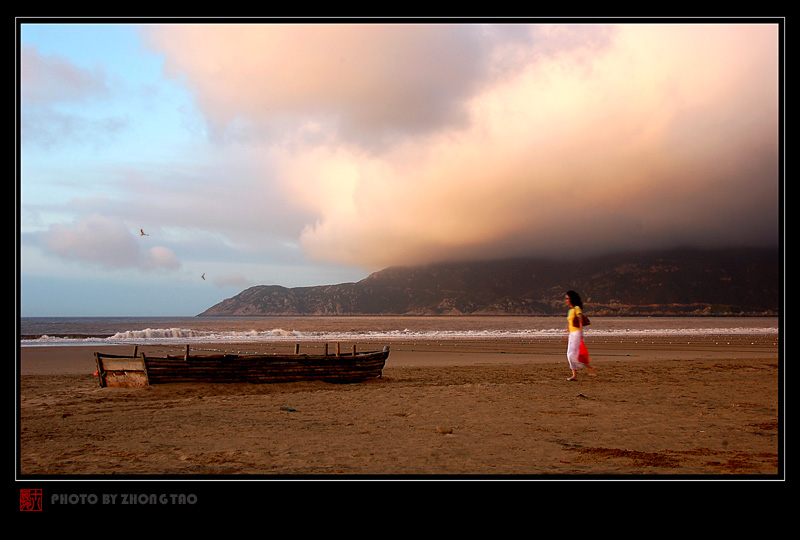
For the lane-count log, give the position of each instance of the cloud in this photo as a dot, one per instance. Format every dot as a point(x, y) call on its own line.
point(106, 242)
point(367, 83)
point(412, 143)
point(55, 93)
point(159, 257)
point(48, 79)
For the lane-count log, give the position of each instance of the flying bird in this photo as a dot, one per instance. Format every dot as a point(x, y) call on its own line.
point(142, 233)
point(203, 276)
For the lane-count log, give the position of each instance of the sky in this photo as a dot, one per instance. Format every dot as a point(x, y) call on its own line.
point(165, 167)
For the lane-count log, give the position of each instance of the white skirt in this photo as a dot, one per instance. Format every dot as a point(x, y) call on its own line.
point(573, 347)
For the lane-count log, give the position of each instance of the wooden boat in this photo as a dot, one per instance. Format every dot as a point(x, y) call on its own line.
point(142, 370)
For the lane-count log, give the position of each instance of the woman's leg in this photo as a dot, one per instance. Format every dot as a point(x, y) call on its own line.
point(573, 347)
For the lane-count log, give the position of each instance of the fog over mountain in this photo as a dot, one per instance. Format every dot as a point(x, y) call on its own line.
point(675, 282)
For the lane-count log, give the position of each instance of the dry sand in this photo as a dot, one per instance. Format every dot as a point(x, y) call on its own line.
point(670, 407)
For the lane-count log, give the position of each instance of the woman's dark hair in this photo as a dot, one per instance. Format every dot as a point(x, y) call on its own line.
point(575, 298)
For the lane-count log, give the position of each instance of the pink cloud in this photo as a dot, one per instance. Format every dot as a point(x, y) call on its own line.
point(559, 141)
point(106, 242)
point(47, 79)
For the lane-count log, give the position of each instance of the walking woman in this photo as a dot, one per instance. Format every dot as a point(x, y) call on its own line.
point(575, 327)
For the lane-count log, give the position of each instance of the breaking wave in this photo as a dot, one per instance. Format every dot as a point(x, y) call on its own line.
point(188, 336)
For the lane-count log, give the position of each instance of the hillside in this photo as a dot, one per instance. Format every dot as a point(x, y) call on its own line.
point(677, 282)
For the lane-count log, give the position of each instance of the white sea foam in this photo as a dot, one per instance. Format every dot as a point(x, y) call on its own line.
point(187, 336)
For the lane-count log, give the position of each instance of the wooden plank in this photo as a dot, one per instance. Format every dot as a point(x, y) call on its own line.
point(99, 363)
point(126, 379)
point(123, 364)
point(121, 371)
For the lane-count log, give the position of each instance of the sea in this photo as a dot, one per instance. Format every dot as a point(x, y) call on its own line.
point(82, 331)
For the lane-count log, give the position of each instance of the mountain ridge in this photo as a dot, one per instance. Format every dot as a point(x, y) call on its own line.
point(742, 281)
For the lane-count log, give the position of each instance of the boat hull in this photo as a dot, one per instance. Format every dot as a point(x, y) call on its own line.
point(133, 371)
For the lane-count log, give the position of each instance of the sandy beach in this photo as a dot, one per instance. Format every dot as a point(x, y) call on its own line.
point(706, 407)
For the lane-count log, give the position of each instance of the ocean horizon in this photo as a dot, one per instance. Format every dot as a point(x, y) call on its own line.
point(60, 331)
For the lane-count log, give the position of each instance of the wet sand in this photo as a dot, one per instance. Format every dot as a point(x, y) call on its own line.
point(666, 407)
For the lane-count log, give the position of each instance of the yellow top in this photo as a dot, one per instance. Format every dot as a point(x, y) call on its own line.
point(571, 315)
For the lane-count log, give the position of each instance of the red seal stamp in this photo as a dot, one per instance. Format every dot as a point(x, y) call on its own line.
point(30, 500)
